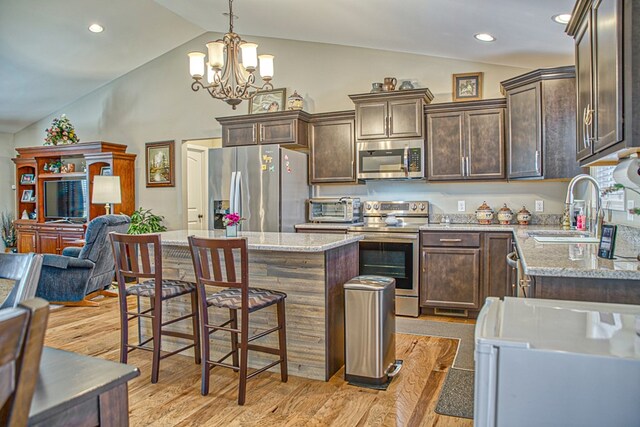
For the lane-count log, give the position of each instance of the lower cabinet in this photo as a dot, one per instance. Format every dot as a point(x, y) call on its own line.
point(459, 270)
point(46, 238)
point(451, 277)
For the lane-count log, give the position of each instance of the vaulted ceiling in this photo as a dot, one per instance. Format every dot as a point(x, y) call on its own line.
point(48, 59)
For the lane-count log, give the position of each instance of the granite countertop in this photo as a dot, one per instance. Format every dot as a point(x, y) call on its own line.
point(561, 259)
point(328, 225)
point(268, 241)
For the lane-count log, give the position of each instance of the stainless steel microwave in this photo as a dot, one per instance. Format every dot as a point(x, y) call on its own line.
point(391, 159)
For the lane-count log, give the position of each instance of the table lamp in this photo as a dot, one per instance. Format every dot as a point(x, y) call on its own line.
point(106, 189)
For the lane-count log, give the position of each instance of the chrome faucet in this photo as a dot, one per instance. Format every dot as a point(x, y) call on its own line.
point(594, 223)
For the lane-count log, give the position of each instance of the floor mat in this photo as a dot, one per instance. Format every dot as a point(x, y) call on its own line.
point(456, 397)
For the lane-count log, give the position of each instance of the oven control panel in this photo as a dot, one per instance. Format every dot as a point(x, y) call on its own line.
point(401, 208)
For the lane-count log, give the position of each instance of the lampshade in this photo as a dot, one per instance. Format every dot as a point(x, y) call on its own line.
point(216, 54)
point(196, 64)
point(266, 66)
point(249, 55)
point(106, 189)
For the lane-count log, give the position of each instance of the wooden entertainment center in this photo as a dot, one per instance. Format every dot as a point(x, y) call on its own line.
point(41, 235)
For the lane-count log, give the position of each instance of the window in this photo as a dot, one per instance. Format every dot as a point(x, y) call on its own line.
point(604, 176)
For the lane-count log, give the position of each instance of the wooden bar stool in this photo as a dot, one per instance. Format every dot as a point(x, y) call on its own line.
point(133, 259)
point(238, 296)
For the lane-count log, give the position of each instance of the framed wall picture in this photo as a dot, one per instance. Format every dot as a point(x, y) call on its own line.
point(106, 171)
point(268, 101)
point(467, 87)
point(160, 164)
point(27, 196)
point(27, 178)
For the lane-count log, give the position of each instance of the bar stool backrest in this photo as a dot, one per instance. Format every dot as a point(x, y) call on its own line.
point(211, 270)
point(132, 255)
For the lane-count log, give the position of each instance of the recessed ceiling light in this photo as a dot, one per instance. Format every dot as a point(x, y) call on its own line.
point(96, 28)
point(562, 18)
point(484, 37)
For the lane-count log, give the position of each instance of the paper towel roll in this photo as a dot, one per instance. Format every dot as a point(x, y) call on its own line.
point(627, 173)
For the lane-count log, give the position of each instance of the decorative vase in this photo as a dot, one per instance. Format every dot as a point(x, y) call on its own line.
point(295, 102)
point(231, 230)
point(524, 216)
point(505, 215)
point(484, 214)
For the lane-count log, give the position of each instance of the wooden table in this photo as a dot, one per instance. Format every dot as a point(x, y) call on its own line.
point(74, 389)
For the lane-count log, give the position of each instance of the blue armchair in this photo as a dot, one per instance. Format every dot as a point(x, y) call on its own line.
point(79, 274)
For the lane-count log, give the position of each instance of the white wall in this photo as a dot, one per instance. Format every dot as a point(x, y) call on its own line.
point(7, 171)
point(155, 103)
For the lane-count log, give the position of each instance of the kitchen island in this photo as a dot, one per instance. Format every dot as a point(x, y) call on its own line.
point(310, 268)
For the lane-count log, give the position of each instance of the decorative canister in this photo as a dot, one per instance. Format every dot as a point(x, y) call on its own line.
point(295, 101)
point(484, 214)
point(505, 215)
point(524, 216)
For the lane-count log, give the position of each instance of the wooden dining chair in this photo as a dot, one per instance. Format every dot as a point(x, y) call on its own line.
point(133, 258)
point(209, 267)
point(22, 332)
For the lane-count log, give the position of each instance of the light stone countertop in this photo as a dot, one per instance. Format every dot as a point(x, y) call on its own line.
point(268, 241)
point(561, 259)
point(328, 225)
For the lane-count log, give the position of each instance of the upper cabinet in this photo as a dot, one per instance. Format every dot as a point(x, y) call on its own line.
point(465, 140)
point(289, 128)
point(541, 124)
point(332, 148)
point(607, 45)
point(391, 115)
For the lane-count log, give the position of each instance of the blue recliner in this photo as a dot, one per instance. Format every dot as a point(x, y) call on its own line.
point(78, 272)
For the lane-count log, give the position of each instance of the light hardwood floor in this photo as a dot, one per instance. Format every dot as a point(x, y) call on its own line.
point(176, 399)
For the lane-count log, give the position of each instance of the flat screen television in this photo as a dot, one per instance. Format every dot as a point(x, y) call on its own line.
point(65, 199)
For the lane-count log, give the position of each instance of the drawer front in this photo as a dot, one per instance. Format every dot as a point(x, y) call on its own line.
point(444, 239)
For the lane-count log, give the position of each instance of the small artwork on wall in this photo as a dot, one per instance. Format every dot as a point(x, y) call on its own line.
point(160, 164)
point(268, 101)
point(467, 86)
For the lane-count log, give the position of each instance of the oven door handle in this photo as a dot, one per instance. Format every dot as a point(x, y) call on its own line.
point(387, 237)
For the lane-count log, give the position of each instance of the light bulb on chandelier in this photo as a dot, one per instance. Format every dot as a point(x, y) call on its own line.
point(229, 79)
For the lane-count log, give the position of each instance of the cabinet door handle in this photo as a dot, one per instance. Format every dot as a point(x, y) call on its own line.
point(468, 167)
point(450, 240)
point(462, 166)
point(537, 161)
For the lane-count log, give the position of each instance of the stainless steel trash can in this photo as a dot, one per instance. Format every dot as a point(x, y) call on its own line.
point(370, 327)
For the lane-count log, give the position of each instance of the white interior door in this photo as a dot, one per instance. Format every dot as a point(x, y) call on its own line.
point(197, 215)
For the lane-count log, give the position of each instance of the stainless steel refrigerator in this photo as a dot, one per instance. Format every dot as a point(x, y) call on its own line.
point(266, 184)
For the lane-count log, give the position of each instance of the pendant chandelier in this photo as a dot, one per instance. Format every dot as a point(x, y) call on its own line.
point(229, 79)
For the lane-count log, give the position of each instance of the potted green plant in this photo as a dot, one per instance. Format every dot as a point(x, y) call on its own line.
point(143, 221)
point(9, 236)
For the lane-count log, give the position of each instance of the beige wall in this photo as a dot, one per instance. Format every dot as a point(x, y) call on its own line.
point(7, 194)
point(155, 103)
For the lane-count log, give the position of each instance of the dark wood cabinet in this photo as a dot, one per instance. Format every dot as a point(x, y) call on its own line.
point(26, 236)
point(465, 140)
point(48, 243)
point(332, 148)
point(289, 128)
point(393, 115)
point(497, 274)
point(607, 45)
point(450, 277)
point(460, 269)
point(52, 239)
point(541, 124)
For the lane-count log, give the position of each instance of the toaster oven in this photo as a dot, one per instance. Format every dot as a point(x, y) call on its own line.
point(343, 209)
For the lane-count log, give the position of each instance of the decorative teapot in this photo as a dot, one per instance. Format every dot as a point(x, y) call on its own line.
point(524, 216)
point(505, 215)
point(295, 101)
point(484, 214)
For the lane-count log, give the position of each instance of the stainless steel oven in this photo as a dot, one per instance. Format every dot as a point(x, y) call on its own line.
point(391, 247)
point(391, 159)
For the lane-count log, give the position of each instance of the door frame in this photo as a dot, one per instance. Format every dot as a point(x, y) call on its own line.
point(204, 144)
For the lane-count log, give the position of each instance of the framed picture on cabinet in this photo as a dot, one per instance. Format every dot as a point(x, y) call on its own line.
point(268, 101)
point(160, 164)
point(27, 196)
point(105, 170)
point(27, 178)
point(467, 87)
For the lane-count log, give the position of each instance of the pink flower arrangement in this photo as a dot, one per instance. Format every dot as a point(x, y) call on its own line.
point(232, 219)
point(61, 132)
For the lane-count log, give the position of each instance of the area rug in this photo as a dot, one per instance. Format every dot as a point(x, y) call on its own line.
point(5, 288)
point(456, 397)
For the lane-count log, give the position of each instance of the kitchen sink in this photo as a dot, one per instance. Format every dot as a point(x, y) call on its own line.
point(562, 236)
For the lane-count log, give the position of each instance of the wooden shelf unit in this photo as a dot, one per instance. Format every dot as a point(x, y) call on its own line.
point(32, 234)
